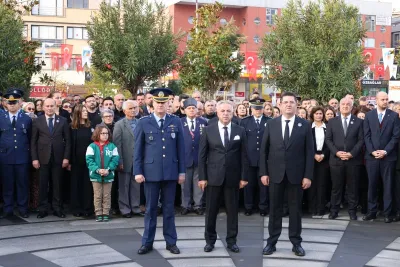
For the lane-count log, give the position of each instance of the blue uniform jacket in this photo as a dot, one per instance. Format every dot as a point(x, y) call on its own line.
point(192, 142)
point(159, 154)
point(15, 142)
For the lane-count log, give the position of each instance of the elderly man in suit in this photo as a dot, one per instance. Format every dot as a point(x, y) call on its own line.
point(286, 163)
point(192, 129)
point(159, 162)
point(345, 139)
point(123, 138)
point(223, 167)
point(381, 136)
point(50, 150)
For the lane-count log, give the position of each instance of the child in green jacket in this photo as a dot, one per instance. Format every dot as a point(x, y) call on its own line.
point(102, 159)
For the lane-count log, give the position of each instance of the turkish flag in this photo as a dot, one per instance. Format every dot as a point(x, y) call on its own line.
point(54, 61)
point(175, 75)
point(79, 66)
point(66, 53)
point(252, 64)
point(379, 71)
point(369, 55)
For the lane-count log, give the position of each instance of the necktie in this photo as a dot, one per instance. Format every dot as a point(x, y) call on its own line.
point(258, 123)
point(345, 125)
point(192, 126)
point(226, 137)
point(380, 116)
point(286, 137)
point(13, 122)
point(51, 125)
point(161, 123)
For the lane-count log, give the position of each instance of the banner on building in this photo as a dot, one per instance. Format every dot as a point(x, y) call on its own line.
point(383, 20)
point(252, 65)
point(394, 90)
point(43, 50)
point(369, 55)
point(393, 71)
point(388, 57)
point(87, 56)
point(55, 61)
point(379, 71)
point(79, 67)
point(66, 55)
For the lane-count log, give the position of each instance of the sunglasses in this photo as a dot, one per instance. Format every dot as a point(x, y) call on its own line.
point(67, 106)
point(31, 109)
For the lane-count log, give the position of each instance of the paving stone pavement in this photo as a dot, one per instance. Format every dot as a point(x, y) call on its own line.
point(74, 242)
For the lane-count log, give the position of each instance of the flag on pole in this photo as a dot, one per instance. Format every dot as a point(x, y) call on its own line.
point(66, 53)
point(54, 61)
point(388, 57)
point(87, 56)
point(369, 55)
point(79, 67)
point(251, 65)
point(393, 71)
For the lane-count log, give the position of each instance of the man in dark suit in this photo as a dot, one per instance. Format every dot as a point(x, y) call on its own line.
point(381, 134)
point(192, 129)
point(148, 103)
point(159, 162)
point(223, 167)
point(254, 126)
point(345, 139)
point(286, 163)
point(51, 149)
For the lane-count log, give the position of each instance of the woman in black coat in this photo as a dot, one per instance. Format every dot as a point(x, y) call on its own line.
point(81, 187)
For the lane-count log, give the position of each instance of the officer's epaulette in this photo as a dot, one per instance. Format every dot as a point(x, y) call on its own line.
point(173, 115)
point(143, 117)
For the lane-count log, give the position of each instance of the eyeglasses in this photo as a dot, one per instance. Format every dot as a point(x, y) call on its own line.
point(31, 109)
point(67, 106)
point(104, 133)
point(108, 116)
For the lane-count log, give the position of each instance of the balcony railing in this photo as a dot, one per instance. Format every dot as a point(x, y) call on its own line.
point(56, 43)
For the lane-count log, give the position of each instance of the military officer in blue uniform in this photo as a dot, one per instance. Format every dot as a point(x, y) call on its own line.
point(159, 162)
point(255, 126)
point(192, 130)
point(15, 134)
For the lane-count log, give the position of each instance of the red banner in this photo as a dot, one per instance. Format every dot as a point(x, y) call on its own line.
point(252, 64)
point(54, 61)
point(239, 94)
point(40, 91)
point(379, 71)
point(79, 67)
point(369, 55)
point(66, 53)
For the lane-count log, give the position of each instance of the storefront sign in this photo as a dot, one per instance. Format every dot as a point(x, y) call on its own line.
point(374, 83)
point(394, 90)
point(40, 91)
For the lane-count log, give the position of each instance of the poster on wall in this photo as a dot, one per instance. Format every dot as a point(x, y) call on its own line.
point(394, 90)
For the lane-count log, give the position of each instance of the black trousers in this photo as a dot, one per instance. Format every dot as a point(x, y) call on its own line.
point(341, 174)
point(81, 190)
point(213, 199)
point(114, 192)
point(255, 192)
point(50, 172)
point(276, 197)
point(318, 191)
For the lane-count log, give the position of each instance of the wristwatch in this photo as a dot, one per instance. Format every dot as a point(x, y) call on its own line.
point(385, 152)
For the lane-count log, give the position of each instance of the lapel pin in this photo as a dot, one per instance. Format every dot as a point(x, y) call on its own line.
point(299, 124)
point(351, 122)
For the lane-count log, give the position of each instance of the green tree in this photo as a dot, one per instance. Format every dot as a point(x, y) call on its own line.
point(208, 63)
point(175, 86)
point(314, 50)
point(133, 41)
point(17, 56)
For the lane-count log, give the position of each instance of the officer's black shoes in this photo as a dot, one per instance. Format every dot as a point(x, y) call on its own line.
point(173, 249)
point(59, 214)
point(263, 213)
point(298, 251)
point(369, 216)
point(248, 212)
point(333, 215)
point(269, 249)
point(42, 214)
point(144, 250)
point(388, 219)
point(234, 248)
point(185, 211)
point(127, 215)
point(208, 248)
point(199, 211)
point(353, 216)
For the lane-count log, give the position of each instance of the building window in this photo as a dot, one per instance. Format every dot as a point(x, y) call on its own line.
point(50, 33)
point(190, 20)
point(48, 8)
point(25, 31)
point(382, 45)
point(223, 22)
point(370, 24)
point(256, 39)
point(381, 61)
point(396, 39)
point(369, 42)
point(257, 21)
point(79, 33)
point(383, 29)
point(78, 3)
point(271, 12)
point(243, 22)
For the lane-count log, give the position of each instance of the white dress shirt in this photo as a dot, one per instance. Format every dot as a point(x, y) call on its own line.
point(291, 123)
point(189, 122)
point(222, 131)
point(319, 135)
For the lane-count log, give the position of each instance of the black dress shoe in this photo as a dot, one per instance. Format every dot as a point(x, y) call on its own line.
point(369, 216)
point(185, 211)
point(388, 219)
point(353, 216)
point(208, 248)
point(269, 249)
point(59, 214)
point(78, 214)
point(298, 251)
point(42, 214)
point(199, 211)
point(127, 215)
point(333, 215)
point(263, 213)
point(144, 250)
point(6, 215)
point(248, 212)
point(234, 248)
point(173, 249)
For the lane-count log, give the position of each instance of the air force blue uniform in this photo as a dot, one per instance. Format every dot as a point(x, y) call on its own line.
point(15, 159)
point(159, 155)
